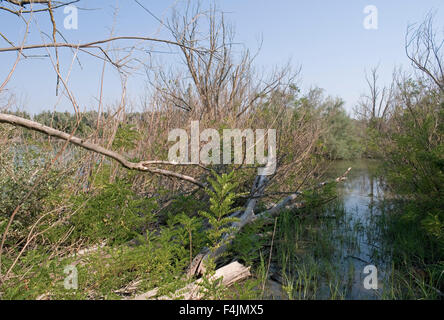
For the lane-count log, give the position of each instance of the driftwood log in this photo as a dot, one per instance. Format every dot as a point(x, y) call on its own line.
point(230, 274)
point(287, 202)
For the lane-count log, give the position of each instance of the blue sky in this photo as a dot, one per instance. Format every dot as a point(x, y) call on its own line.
point(326, 38)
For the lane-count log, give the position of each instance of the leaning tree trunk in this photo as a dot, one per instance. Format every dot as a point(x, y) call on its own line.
point(197, 266)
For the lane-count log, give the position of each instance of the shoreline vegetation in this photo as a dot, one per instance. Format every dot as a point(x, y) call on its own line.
point(90, 207)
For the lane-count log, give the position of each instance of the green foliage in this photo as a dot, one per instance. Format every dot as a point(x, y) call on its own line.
point(210, 287)
point(115, 213)
point(187, 205)
point(191, 225)
point(245, 290)
point(126, 137)
point(340, 140)
point(417, 256)
point(67, 122)
point(307, 250)
point(339, 137)
point(411, 145)
point(247, 243)
point(103, 274)
point(414, 158)
point(317, 196)
point(19, 170)
point(222, 197)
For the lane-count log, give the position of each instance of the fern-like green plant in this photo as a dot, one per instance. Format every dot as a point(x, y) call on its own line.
point(222, 197)
point(191, 225)
point(211, 288)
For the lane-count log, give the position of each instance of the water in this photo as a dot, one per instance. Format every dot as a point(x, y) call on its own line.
point(351, 236)
point(359, 196)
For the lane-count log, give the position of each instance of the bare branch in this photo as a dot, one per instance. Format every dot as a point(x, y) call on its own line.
point(424, 50)
point(140, 166)
point(93, 44)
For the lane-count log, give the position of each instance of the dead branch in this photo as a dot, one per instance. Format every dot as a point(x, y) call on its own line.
point(425, 50)
point(93, 44)
point(286, 203)
point(22, 3)
point(140, 166)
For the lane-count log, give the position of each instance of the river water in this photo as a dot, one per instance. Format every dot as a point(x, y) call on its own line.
point(360, 195)
point(355, 235)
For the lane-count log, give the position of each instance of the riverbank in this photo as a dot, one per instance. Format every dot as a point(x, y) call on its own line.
point(327, 250)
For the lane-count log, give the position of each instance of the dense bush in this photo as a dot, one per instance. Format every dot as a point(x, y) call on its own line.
point(341, 139)
point(413, 149)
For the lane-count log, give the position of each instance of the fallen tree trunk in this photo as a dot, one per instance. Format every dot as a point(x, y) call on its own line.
point(197, 266)
point(286, 203)
point(230, 274)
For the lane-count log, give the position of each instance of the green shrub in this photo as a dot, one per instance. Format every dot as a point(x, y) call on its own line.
point(115, 213)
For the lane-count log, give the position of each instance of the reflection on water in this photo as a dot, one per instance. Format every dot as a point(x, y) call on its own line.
point(335, 243)
point(359, 195)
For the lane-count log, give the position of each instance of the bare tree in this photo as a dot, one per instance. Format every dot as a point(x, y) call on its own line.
point(376, 103)
point(424, 48)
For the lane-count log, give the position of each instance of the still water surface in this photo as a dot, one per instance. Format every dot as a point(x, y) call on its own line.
point(355, 235)
point(360, 195)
